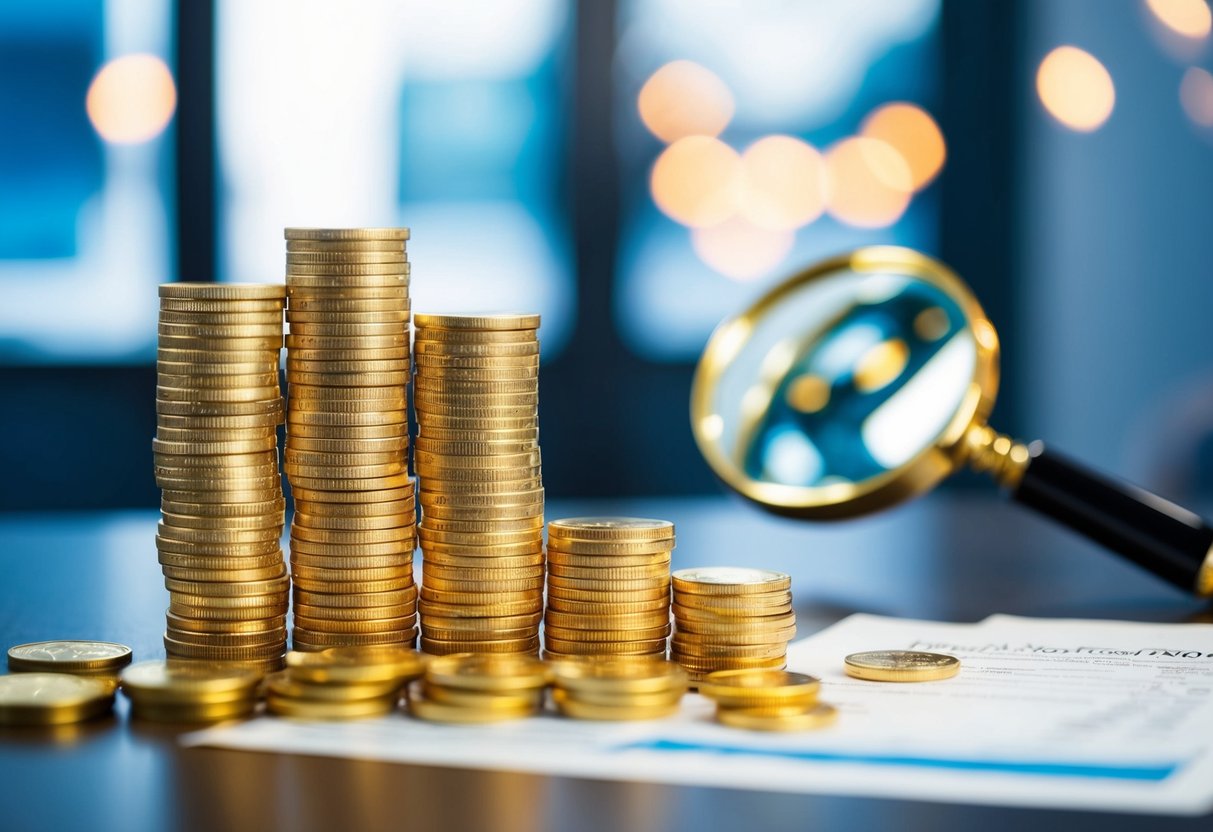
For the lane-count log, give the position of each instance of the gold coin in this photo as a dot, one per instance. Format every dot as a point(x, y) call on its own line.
point(757, 687)
point(478, 375)
point(480, 700)
point(812, 718)
point(356, 537)
point(478, 322)
point(712, 650)
point(399, 625)
point(230, 306)
point(220, 396)
point(499, 499)
point(188, 682)
point(233, 550)
point(403, 596)
point(433, 711)
point(179, 522)
point(454, 348)
point(227, 583)
point(339, 523)
point(207, 610)
point(216, 653)
point(618, 676)
point(246, 446)
point(439, 363)
point(608, 608)
point(229, 356)
point(309, 276)
point(730, 580)
point(634, 621)
point(350, 484)
point(529, 458)
point(589, 564)
point(375, 423)
point(384, 613)
point(507, 562)
point(613, 595)
point(326, 369)
point(220, 331)
point(193, 713)
point(439, 634)
point(608, 551)
point(605, 585)
point(348, 330)
point(341, 235)
point(361, 379)
point(329, 305)
point(481, 607)
point(306, 444)
point(396, 317)
point(272, 508)
point(483, 625)
point(737, 606)
point(267, 363)
point(168, 531)
point(470, 584)
point(481, 515)
point(221, 498)
point(739, 637)
point(327, 354)
point(353, 587)
point(611, 529)
point(242, 346)
point(443, 385)
point(275, 406)
point(368, 574)
point(462, 490)
point(36, 698)
point(493, 338)
point(507, 448)
point(328, 711)
point(304, 638)
point(387, 495)
point(222, 291)
point(901, 666)
point(780, 615)
point(646, 572)
point(604, 648)
point(371, 555)
point(68, 656)
point(610, 632)
point(433, 401)
point(309, 472)
point(480, 480)
point(480, 574)
point(489, 646)
point(482, 531)
point(578, 709)
point(488, 551)
point(487, 673)
point(432, 422)
point(329, 256)
point(225, 317)
point(273, 635)
point(299, 457)
point(218, 381)
point(239, 626)
point(256, 420)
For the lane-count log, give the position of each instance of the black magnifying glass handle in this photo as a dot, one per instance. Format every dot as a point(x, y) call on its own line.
point(1154, 533)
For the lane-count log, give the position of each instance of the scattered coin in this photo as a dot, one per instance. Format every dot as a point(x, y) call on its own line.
point(901, 666)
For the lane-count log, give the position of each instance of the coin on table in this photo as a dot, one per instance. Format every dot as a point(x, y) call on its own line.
point(356, 665)
point(498, 672)
point(52, 698)
point(815, 717)
point(758, 687)
point(901, 666)
point(188, 682)
point(69, 656)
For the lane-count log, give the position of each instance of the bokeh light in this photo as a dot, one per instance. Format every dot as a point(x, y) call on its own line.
point(1075, 88)
point(1196, 96)
point(1189, 18)
point(784, 183)
point(911, 131)
point(696, 181)
point(869, 182)
point(685, 99)
point(739, 249)
point(131, 99)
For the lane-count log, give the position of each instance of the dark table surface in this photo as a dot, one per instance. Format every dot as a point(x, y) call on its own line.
point(947, 557)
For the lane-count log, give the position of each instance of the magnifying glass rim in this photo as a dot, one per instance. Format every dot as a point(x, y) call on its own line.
point(914, 477)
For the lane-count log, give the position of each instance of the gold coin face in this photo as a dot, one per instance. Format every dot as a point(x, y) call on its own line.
point(726, 580)
point(754, 687)
point(611, 528)
point(487, 672)
point(901, 666)
point(38, 698)
point(68, 656)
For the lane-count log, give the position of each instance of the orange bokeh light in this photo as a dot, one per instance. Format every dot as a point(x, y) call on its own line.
point(870, 182)
point(696, 180)
point(1075, 88)
point(741, 250)
point(131, 99)
point(685, 99)
point(784, 184)
point(912, 132)
point(1196, 96)
point(1189, 18)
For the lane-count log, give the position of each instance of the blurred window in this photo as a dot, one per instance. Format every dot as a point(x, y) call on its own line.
point(86, 96)
point(755, 138)
point(447, 121)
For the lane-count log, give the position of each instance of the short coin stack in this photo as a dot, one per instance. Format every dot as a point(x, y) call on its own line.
point(477, 459)
point(353, 534)
point(342, 682)
point(479, 687)
point(190, 691)
point(767, 700)
point(218, 407)
point(730, 618)
point(608, 587)
point(619, 688)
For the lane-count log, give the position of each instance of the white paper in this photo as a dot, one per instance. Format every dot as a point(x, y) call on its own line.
point(1111, 716)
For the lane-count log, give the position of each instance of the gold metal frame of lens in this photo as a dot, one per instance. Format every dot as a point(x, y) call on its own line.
point(966, 437)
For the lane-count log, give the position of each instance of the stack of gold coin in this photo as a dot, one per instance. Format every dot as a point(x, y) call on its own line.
point(343, 682)
point(767, 700)
point(479, 687)
point(354, 529)
point(477, 458)
point(617, 688)
point(218, 407)
point(190, 691)
point(608, 587)
point(731, 618)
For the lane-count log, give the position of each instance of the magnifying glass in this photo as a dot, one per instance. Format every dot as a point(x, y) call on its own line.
point(866, 379)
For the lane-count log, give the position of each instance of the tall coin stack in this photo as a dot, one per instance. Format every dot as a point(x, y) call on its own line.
point(608, 587)
point(731, 618)
point(353, 533)
point(477, 458)
point(218, 407)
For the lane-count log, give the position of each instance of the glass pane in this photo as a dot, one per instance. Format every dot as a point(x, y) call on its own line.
point(756, 138)
point(403, 113)
point(86, 229)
